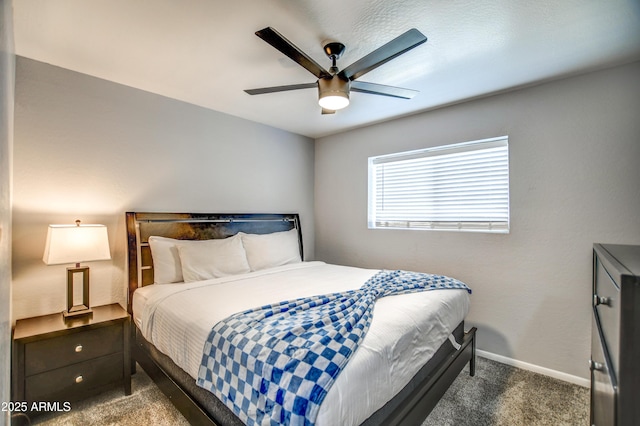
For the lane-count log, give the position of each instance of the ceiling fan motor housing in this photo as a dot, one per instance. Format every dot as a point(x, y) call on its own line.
point(333, 93)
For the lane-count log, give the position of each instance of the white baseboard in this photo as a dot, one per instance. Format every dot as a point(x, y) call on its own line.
point(535, 368)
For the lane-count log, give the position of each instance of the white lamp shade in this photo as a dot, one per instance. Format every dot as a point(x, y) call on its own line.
point(75, 244)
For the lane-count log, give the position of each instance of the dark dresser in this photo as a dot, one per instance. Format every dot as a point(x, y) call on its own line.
point(615, 336)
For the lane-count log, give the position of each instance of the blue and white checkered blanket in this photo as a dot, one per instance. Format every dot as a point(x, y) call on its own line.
point(274, 364)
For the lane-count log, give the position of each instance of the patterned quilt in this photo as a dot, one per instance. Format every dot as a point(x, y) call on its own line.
point(273, 365)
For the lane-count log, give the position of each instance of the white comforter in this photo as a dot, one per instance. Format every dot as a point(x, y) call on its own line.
point(405, 332)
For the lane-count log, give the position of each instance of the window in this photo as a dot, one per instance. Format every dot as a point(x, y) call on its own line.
point(461, 187)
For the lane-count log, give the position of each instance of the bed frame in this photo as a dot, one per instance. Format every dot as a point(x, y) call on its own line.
point(411, 406)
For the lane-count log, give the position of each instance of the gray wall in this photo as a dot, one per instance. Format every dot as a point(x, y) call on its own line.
point(575, 180)
point(7, 82)
point(90, 149)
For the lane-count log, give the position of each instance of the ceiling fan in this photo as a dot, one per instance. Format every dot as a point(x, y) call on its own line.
point(334, 85)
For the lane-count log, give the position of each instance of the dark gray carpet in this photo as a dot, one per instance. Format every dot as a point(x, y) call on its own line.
point(497, 395)
point(507, 396)
point(146, 406)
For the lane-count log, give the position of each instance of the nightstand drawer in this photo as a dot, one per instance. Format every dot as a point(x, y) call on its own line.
point(48, 354)
point(75, 381)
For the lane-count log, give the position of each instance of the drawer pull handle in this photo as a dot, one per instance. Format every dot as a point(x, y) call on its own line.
point(594, 365)
point(79, 348)
point(599, 300)
point(79, 379)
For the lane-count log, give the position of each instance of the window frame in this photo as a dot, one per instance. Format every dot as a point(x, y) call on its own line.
point(493, 147)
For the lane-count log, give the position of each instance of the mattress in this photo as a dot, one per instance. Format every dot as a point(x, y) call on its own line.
point(405, 332)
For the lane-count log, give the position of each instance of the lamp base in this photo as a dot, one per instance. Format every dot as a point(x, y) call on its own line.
point(77, 311)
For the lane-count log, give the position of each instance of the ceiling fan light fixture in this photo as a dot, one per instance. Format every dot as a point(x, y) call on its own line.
point(333, 93)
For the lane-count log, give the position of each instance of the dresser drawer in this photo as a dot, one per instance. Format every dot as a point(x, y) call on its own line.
point(607, 305)
point(75, 381)
point(603, 391)
point(55, 352)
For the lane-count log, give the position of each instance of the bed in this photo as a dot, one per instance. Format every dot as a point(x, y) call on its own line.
point(168, 342)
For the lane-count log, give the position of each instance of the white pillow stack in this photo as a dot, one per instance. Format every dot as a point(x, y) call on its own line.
point(178, 261)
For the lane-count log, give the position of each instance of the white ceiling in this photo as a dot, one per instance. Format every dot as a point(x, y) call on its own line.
point(205, 52)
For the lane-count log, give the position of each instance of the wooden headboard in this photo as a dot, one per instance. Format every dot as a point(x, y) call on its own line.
point(192, 226)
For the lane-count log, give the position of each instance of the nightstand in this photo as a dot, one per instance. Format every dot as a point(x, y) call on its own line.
point(63, 361)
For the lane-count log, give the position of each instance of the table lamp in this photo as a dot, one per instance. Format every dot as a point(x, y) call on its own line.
point(74, 244)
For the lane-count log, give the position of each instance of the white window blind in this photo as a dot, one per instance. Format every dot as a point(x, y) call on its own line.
point(455, 187)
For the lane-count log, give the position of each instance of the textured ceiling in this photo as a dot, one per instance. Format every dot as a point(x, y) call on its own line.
point(205, 52)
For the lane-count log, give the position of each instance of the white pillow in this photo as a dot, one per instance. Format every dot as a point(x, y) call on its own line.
point(269, 250)
point(206, 259)
point(166, 260)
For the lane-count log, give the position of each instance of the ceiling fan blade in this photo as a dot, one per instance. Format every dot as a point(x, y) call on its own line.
point(274, 89)
point(327, 111)
point(278, 41)
point(383, 54)
point(381, 89)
